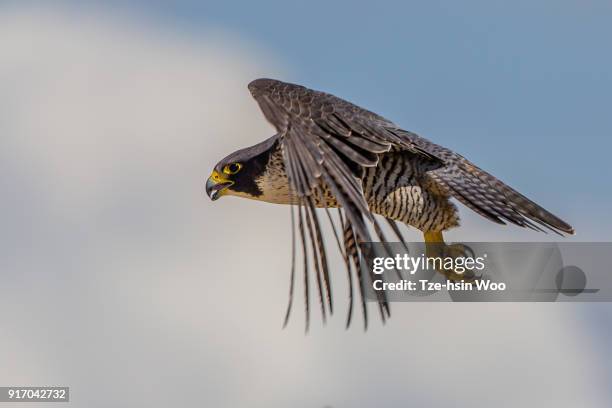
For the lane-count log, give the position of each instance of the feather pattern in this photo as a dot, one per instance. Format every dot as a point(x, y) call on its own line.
point(369, 165)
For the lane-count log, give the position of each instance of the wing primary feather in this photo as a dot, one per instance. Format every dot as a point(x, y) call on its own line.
point(341, 175)
point(309, 207)
point(297, 170)
point(323, 259)
point(381, 297)
point(397, 232)
point(385, 244)
point(335, 231)
point(292, 279)
point(310, 157)
point(349, 270)
point(305, 256)
point(353, 251)
point(347, 190)
point(353, 214)
point(292, 176)
point(346, 259)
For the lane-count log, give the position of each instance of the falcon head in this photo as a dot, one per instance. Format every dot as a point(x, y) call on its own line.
point(238, 173)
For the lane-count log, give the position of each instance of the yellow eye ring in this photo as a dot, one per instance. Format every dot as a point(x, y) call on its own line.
point(232, 168)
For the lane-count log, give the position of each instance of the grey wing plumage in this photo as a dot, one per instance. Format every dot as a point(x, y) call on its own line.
point(325, 138)
point(327, 141)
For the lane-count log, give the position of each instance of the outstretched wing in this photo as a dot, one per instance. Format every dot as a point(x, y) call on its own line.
point(327, 141)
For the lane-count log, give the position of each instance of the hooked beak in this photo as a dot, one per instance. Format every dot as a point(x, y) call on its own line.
point(215, 185)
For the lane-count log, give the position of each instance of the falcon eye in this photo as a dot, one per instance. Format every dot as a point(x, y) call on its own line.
point(232, 168)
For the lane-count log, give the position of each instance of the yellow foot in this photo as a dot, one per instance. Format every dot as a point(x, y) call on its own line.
point(453, 266)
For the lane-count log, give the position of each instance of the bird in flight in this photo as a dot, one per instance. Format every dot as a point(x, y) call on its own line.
point(329, 153)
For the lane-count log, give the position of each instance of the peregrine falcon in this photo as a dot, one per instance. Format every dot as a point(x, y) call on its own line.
point(329, 153)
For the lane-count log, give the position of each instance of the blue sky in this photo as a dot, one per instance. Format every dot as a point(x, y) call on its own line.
point(523, 88)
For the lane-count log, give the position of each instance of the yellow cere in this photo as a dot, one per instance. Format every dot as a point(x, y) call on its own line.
point(218, 177)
